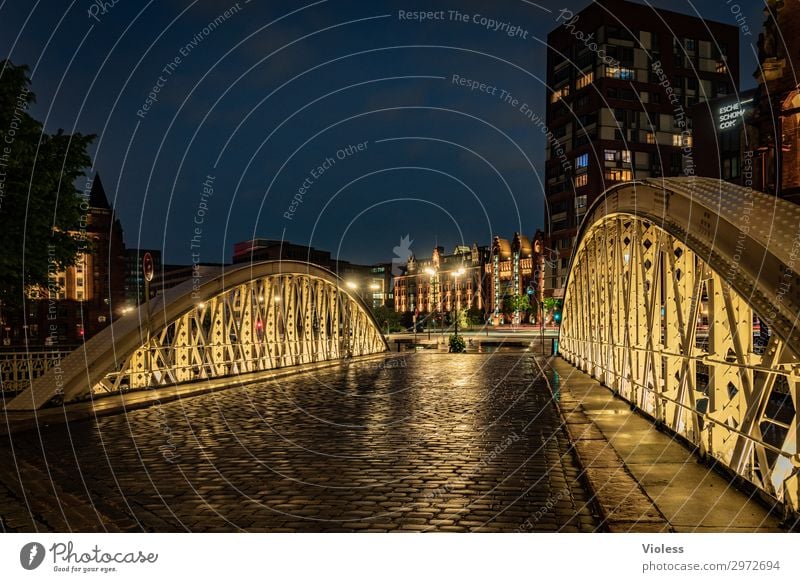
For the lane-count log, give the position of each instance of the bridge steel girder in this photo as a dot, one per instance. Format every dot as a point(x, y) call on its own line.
point(249, 319)
point(667, 281)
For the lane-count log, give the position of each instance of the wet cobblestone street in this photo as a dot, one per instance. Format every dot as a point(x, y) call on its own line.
point(425, 442)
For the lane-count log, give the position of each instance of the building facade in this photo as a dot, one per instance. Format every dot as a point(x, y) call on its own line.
point(617, 106)
point(84, 298)
point(773, 126)
point(444, 282)
point(516, 269)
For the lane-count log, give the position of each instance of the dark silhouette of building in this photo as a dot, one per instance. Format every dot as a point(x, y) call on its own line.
point(134, 275)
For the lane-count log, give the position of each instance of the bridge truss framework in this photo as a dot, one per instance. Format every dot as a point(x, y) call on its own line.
point(673, 285)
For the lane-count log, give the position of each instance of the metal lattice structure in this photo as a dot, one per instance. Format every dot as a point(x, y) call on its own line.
point(683, 297)
point(251, 319)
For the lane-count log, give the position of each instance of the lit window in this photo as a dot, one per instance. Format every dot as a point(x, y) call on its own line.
point(560, 94)
point(619, 73)
point(651, 137)
point(680, 140)
point(584, 81)
point(580, 201)
point(722, 67)
point(582, 161)
point(610, 155)
point(626, 156)
point(618, 175)
point(581, 180)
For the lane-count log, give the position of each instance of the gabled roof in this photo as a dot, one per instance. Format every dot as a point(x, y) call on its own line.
point(97, 196)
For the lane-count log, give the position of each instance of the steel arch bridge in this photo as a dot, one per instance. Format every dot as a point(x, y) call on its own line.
point(254, 318)
point(683, 297)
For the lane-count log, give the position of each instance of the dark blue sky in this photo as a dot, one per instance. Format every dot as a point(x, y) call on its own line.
point(263, 99)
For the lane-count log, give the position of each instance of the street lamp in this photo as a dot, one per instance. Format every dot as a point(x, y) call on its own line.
point(432, 273)
point(456, 275)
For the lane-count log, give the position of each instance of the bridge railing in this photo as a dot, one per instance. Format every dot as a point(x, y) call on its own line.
point(690, 319)
point(19, 369)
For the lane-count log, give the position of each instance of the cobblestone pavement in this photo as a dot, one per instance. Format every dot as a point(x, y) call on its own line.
point(425, 442)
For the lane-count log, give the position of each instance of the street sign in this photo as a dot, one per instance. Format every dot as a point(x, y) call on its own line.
point(147, 266)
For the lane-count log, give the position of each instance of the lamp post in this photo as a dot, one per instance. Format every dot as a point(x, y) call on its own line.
point(456, 275)
point(432, 272)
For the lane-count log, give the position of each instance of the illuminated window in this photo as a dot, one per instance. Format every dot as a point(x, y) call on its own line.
point(560, 94)
point(581, 180)
point(611, 155)
point(651, 137)
point(582, 162)
point(618, 175)
point(580, 201)
point(682, 140)
point(722, 67)
point(619, 73)
point(584, 81)
point(626, 156)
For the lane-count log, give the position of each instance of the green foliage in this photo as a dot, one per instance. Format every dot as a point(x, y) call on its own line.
point(475, 316)
point(386, 316)
point(457, 344)
point(552, 307)
point(551, 304)
point(515, 303)
point(40, 208)
point(463, 321)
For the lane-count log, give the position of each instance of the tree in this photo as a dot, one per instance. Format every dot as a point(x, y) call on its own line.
point(552, 305)
point(41, 210)
point(387, 318)
point(476, 316)
point(517, 303)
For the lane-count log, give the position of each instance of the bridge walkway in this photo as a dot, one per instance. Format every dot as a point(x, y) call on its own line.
point(645, 479)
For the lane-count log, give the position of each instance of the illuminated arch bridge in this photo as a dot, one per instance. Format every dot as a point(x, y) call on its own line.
point(251, 319)
point(684, 298)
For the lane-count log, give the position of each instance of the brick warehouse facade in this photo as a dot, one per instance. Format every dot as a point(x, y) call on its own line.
point(433, 285)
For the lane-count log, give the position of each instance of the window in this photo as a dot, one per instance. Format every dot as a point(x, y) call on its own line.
point(619, 73)
point(582, 161)
point(722, 67)
point(581, 180)
point(580, 201)
point(689, 44)
point(626, 156)
point(560, 94)
point(611, 155)
point(613, 175)
point(584, 81)
point(651, 138)
point(682, 140)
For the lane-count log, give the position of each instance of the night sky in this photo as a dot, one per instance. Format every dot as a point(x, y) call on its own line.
point(260, 102)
